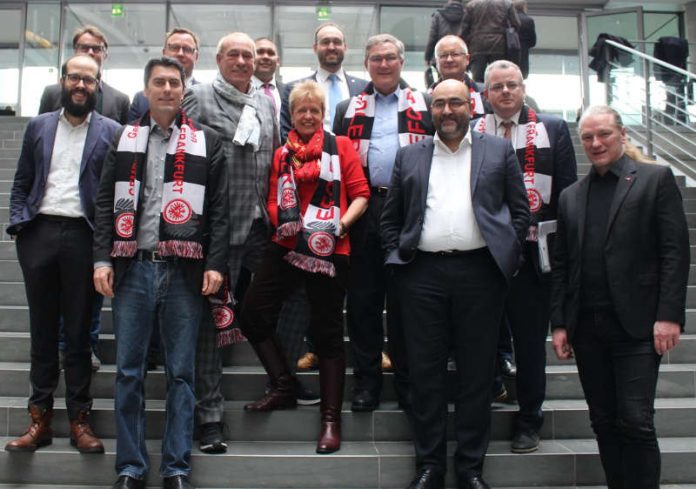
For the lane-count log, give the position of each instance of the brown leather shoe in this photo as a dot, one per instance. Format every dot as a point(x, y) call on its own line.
point(82, 437)
point(283, 393)
point(39, 433)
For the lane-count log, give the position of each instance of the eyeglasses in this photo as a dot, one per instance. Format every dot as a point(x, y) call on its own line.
point(454, 103)
point(389, 58)
point(453, 55)
point(175, 48)
point(499, 87)
point(86, 48)
point(74, 78)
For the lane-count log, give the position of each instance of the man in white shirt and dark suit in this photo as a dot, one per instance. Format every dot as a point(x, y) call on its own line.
point(453, 225)
point(264, 79)
point(330, 47)
point(51, 219)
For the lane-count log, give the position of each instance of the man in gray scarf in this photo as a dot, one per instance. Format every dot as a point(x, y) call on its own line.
point(247, 123)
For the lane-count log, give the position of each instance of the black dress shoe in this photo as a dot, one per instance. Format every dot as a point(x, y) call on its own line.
point(474, 482)
point(364, 401)
point(507, 368)
point(176, 482)
point(127, 482)
point(428, 479)
point(525, 441)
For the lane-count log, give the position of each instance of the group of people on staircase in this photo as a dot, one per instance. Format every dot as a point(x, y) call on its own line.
point(444, 205)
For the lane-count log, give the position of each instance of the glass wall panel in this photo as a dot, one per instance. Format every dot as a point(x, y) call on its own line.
point(211, 22)
point(10, 38)
point(554, 83)
point(41, 53)
point(295, 26)
point(411, 25)
point(135, 35)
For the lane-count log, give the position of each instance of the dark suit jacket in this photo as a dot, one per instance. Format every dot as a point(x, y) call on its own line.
point(140, 105)
point(355, 87)
point(35, 161)
point(216, 233)
point(646, 252)
point(114, 103)
point(498, 197)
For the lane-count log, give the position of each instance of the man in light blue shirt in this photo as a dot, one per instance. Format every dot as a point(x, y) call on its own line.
point(385, 117)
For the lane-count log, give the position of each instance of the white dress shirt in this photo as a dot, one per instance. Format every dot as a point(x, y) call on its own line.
point(62, 193)
point(449, 222)
point(323, 80)
point(258, 85)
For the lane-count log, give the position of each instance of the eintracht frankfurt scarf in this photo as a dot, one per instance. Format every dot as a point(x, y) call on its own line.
point(318, 229)
point(533, 151)
point(183, 192)
point(414, 118)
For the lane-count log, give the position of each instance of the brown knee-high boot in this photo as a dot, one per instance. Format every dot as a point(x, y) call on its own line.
point(283, 393)
point(332, 374)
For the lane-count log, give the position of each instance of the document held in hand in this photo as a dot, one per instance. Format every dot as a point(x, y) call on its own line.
point(544, 229)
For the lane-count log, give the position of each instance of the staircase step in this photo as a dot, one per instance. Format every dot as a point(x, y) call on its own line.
point(15, 347)
point(247, 382)
point(356, 465)
point(564, 419)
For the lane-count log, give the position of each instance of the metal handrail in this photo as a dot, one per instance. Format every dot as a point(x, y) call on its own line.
point(664, 133)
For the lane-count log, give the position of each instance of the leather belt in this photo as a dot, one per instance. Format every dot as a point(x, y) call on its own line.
point(455, 252)
point(153, 256)
point(381, 191)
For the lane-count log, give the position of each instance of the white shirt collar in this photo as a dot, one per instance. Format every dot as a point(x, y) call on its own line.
point(466, 141)
point(515, 118)
point(258, 83)
point(323, 75)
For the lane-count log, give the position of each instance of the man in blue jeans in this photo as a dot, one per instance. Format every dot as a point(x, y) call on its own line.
point(160, 247)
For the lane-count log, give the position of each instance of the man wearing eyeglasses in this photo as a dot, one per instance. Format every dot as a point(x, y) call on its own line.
point(111, 103)
point(545, 153)
point(453, 225)
point(452, 61)
point(330, 46)
point(51, 220)
point(387, 115)
point(181, 44)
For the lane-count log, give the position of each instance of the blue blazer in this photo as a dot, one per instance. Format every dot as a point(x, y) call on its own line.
point(35, 160)
point(355, 87)
point(497, 193)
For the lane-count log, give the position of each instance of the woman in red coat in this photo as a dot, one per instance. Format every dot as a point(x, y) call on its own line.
point(317, 191)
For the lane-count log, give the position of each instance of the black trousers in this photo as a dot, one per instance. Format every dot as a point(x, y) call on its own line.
point(479, 62)
point(368, 287)
point(528, 311)
point(619, 377)
point(275, 280)
point(55, 255)
point(445, 299)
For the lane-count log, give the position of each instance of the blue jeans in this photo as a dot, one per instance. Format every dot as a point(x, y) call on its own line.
point(155, 293)
point(619, 376)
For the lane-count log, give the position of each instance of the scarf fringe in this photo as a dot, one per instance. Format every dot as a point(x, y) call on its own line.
point(124, 249)
point(182, 249)
point(288, 229)
point(310, 263)
point(229, 337)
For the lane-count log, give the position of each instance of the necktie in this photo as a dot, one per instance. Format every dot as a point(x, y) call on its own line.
point(268, 90)
point(334, 95)
point(507, 125)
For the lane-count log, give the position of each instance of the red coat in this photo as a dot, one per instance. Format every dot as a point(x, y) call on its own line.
point(353, 185)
